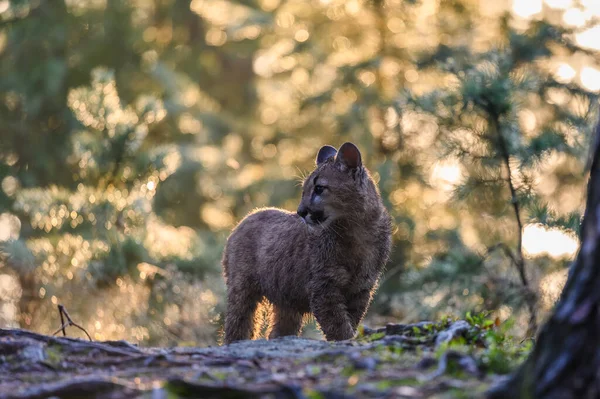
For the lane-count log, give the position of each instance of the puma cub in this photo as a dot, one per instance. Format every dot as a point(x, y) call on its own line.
point(325, 259)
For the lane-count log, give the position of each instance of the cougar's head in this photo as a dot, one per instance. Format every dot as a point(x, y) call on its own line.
point(339, 187)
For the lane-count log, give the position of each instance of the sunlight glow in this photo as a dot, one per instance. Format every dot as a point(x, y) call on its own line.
point(10, 292)
point(551, 287)
point(528, 8)
point(565, 73)
point(590, 78)
point(446, 175)
point(592, 6)
point(537, 240)
point(559, 4)
point(167, 242)
point(10, 226)
point(589, 38)
point(215, 217)
point(574, 17)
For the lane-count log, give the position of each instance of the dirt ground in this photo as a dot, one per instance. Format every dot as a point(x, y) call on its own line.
point(398, 361)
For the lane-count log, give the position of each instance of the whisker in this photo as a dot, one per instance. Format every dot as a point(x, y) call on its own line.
point(300, 177)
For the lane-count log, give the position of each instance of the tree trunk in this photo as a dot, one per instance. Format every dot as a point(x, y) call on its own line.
point(565, 362)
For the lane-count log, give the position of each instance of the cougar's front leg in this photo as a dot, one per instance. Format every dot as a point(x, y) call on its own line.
point(357, 305)
point(329, 308)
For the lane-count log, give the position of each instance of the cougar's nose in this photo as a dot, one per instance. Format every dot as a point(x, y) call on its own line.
point(302, 211)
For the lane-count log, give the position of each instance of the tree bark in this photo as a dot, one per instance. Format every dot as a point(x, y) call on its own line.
point(565, 362)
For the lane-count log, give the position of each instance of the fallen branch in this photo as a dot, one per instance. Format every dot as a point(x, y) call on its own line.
point(74, 343)
point(464, 362)
point(194, 389)
point(79, 387)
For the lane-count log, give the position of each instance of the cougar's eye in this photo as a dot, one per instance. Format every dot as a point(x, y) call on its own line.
point(319, 190)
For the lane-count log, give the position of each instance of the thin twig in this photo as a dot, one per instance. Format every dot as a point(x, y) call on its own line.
point(507, 251)
point(62, 321)
point(62, 311)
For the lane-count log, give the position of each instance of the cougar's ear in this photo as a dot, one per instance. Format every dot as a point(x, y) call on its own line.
point(325, 153)
point(349, 156)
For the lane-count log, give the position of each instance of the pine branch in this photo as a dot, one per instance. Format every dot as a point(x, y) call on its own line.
point(518, 259)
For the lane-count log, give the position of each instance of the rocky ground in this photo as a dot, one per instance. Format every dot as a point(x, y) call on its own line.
point(449, 359)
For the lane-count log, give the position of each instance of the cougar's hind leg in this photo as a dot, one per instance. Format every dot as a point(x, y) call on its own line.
point(242, 302)
point(285, 322)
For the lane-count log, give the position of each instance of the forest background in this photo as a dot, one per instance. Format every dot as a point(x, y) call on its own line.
point(135, 134)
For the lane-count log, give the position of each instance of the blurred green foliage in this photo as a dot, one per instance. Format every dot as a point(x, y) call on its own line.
point(134, 134)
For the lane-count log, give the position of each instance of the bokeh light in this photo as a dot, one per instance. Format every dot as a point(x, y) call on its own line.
point(136, 134)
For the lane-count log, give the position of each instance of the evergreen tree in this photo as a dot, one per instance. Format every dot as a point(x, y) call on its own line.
point(134, 135)
point(502, 115)
point(564, 362)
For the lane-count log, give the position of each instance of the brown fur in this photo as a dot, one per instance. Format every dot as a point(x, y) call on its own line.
point(325, 259)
